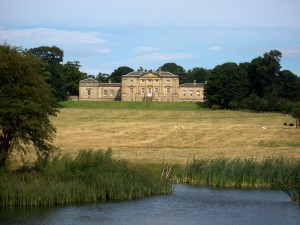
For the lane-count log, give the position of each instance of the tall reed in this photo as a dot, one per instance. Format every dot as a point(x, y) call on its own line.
point(280, 173)
point(91, 176)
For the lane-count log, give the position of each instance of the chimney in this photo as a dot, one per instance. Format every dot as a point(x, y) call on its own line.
point(194, 82)
point(141, 69)
point(159, 70)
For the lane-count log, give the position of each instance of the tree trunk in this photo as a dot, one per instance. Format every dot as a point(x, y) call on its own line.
point(5, 142)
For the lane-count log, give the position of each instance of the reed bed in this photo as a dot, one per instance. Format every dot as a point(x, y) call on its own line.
point(92, 176)
point(279, 172)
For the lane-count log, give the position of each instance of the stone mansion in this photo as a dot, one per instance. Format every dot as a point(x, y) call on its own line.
point(142, 86)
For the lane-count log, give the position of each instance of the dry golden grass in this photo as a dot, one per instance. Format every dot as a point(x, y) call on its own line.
point(153, 135)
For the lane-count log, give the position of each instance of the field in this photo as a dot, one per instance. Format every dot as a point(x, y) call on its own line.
point(151, 132)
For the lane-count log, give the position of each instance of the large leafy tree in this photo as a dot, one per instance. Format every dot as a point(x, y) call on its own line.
point(200, 75)
point(262, 73)
point(175, 69)
point(227, 84)
point(288, 85)
point(53, 57)
point(26, 102)
point(116, 76)
point(72, 76)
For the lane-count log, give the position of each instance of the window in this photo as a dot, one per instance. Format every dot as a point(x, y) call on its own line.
point(168, 81)
point(105, 92)
point(198, 93)
point(112, 92)
point(131, 90)
point(168, 90)
point(143, 81)
point(89, 92)
point(191, 93)
point(143, 90)
point(156, 90)
point(156, 81)
point(183, 93)
point(131, 81)
point(149, 81)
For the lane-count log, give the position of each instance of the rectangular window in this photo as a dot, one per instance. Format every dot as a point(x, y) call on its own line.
point(191, 93)
point(89, 92)
point(149, 81)
point(131, 81)
point(168, 90)
point(156, 90)
point(183, 93)
point(112, 92)
point(198, 93)
point(105, 92)
point(131, 90)
point(168, 81)
point(143, 90)
point(143, 81)
point(156, 81)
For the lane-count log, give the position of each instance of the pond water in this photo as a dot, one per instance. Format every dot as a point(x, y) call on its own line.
point(188, 205)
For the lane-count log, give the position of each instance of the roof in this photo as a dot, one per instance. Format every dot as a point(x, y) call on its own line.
point(192, 85)
point(157, 73)
point(110, 85)
point(89, 80)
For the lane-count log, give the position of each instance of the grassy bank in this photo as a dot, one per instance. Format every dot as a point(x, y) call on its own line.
point(92, 176)
point(280, 173)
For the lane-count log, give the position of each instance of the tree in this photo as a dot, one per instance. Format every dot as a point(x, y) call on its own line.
point(296, 113)
point(26, 102)
point(102, 77)
point(262, 73)
point(200, 75)
point(116, 76)
point(72, 76)
point(228, 83)
point(52, 57)
point(288, 85)
point(175, 69)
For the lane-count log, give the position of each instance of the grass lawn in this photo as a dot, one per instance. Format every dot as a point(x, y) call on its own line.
point(151, 131)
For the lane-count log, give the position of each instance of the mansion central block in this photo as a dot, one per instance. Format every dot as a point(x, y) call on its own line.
point(142, 86)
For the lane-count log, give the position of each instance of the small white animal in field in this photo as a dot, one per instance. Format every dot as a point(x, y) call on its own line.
point(182, 127)
point(263, 128)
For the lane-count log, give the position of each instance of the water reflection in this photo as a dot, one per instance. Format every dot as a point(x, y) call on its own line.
point(188, 205)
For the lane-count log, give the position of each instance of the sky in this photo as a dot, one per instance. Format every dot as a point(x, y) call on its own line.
point(104, 35)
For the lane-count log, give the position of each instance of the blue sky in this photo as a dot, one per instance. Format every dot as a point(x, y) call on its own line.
point(104, 35)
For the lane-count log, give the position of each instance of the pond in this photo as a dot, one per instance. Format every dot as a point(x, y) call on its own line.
point(187, 205)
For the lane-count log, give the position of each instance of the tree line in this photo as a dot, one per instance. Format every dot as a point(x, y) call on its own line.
point(259, 85)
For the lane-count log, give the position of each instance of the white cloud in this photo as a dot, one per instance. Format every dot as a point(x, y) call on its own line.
point(164, 56)
point(291, 52)
point(46, 36)
point(215, 48)
point(144, 49)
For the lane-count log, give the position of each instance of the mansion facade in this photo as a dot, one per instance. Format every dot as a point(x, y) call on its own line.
point(142, 86)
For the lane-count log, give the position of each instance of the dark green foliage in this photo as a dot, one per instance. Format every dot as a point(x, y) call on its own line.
point(72, 76)
point(92, 176)
point(200, 75)
point(26, 103)
point(116, 76)
point(296, 113)
point(227, 83)
point(175, 69)
point(270, 173)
